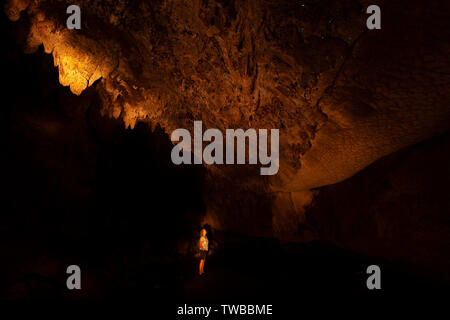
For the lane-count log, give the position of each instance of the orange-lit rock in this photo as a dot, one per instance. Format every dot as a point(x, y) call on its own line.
point(340, 104)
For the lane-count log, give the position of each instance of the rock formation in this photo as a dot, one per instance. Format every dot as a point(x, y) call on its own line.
point(342, 96)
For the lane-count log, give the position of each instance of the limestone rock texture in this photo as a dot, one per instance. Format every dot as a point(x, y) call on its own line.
point(342, 96)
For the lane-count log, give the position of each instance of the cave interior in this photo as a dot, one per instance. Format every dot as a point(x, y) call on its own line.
point(83, 185)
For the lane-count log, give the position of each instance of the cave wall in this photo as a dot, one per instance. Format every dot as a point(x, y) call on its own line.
point(396, 208)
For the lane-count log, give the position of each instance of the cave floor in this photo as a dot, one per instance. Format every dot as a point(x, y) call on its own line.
point(252, 270)
point(259, 271)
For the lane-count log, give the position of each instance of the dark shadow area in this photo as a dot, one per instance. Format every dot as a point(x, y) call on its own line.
point(80, 189)
point(258, 269)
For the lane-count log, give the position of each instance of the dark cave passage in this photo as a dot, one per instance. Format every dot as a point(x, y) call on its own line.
point(80, 187)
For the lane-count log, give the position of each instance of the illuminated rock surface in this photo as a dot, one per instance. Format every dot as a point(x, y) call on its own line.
point(341, 95)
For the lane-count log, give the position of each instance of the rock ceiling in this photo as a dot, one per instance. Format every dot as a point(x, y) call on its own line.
point(341, 95)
